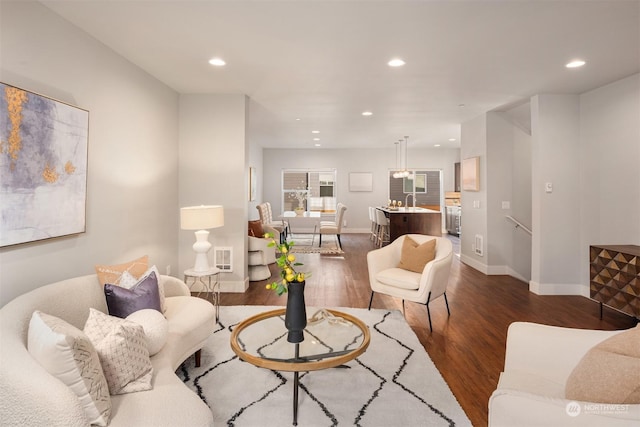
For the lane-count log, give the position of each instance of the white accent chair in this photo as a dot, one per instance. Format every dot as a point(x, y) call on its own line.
point(260, 256)
point(386, 278)
point(531, 390)
point(278, 229)
point(333, 227)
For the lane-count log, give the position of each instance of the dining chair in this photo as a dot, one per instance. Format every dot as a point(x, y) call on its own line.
point(333, 227)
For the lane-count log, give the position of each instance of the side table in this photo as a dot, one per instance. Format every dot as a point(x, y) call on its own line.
point(212, 284)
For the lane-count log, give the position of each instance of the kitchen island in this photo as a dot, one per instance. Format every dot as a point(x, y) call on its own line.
point(408, 220)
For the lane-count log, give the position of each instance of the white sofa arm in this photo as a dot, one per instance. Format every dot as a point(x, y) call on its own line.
point(382, 259)
point(509, 408)
point(275, 233)
point(549, 351)
point(174, 287)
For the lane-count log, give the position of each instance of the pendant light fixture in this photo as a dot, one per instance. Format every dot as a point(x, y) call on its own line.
point(402, 172)
point(397, 171)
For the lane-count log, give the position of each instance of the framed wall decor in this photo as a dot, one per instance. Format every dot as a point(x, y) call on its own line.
point(43, 167)
point(360, 181)
point(471, 174)
point(253, 185)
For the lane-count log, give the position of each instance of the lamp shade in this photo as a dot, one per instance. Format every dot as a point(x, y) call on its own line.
point(201, 217)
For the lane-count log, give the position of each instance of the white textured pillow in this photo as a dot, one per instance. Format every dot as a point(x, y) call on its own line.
point(67, 353)
point(156, 328)
point(122, 348)
point(127, 280)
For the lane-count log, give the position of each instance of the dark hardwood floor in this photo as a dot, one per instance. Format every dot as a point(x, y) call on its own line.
point(468, 347)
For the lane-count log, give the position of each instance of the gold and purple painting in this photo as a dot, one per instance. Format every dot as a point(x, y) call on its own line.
point(43, 167)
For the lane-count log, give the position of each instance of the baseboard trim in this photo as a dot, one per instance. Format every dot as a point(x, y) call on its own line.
point(235, 286)
point(482, 268)
point(558, 289)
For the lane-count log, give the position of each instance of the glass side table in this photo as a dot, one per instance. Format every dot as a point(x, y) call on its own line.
point(330, 341)
point(209, 281)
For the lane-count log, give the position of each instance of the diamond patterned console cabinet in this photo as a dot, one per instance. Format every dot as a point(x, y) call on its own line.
point(615, 277)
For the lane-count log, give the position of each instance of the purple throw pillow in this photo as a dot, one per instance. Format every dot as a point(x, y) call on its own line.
point(122, 301)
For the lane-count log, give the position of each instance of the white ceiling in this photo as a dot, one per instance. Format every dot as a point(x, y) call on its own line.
point(325, 61)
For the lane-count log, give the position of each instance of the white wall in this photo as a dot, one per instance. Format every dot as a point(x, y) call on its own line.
point(588, 148)
point(499, 243)
point(214, 171)
point(521, 204)
point(609, 176)
point(376, 161)
point(474, 219)
point(133, 133)
point(555, 129)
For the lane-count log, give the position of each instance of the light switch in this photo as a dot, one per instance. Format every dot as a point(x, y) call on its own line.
point(548, 187)
point(506, 205)
point(476, 204)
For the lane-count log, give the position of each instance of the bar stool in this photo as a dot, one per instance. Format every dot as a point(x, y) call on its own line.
point(383, 228)
point(372, 219)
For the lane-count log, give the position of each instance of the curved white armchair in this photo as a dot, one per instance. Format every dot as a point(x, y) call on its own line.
point(259, 257)
point(386, 278)
point(531, 390)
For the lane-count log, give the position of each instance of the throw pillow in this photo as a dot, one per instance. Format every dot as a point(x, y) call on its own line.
point(414, 256)
point(122, 301)
point(123, 353)
point(67, 354)
point(156, 328)
point(609, 372)
point(256, 229)
point(128, 281)
point(111, 273)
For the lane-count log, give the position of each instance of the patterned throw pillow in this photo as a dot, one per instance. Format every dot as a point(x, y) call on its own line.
point(414, 256)
point(122, 348)
point(128, 281)
point(122, 301)
point(111, 273)
point(67, 354)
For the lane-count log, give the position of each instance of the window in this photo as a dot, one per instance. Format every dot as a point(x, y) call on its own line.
point(311, 189)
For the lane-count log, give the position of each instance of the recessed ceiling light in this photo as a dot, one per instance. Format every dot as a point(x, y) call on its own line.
point(217, 62)
point(436, 145)
point(397, 62)
point(461, 105)
point(452, 139)
point(297, 118)
point(576, 63)
point(317, 145)
point(367, 113)
point(316, 139)
point(315, 131)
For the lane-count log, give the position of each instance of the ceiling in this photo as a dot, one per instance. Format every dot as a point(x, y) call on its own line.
point(325, 62)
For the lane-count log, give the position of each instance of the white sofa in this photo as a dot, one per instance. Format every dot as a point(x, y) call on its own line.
point(531, 390)
point(30, 396)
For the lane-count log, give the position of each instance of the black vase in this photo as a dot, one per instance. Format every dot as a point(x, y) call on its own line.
point(295, 318)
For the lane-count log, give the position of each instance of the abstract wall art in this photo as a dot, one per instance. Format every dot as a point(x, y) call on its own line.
point(43, 167)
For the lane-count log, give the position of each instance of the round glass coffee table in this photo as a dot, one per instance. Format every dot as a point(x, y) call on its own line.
point(331, 339)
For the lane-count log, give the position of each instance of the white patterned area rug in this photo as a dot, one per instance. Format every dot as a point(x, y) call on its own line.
point(394, 383)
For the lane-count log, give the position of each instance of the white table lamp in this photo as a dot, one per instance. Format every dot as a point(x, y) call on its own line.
point(201, 218)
